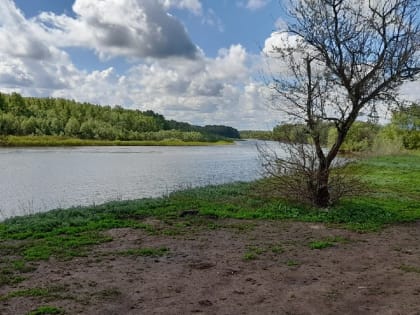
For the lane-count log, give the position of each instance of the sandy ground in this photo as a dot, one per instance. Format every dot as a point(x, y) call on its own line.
point(240, 267)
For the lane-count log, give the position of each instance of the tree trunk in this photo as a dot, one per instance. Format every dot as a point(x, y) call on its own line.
point(322, 194)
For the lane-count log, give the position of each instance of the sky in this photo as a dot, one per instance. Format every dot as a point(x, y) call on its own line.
point(191, 60)
point(199, 61)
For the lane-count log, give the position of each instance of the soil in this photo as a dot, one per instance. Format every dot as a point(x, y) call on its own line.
point(236, 267)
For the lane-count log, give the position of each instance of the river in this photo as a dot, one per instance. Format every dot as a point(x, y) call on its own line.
point(41, 179)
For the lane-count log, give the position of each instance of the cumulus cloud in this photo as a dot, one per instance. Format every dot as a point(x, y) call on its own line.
point(180, 83)
point(204, 91)
point(130, 28)
point(256, 4)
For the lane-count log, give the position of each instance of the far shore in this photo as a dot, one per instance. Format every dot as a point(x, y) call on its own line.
point(54, 141)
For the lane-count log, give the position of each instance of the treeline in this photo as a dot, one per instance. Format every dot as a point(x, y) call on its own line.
point(403, 131)
point(24, 116)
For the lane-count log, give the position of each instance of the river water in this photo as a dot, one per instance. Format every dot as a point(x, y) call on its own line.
point(41, 179)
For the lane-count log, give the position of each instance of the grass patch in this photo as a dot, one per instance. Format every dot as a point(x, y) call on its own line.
point(320, 244)
point(50, 292)
point(145, 252)
point(328, 242)
point(47, 310)
point(292, 263)
point(277, 249)
point(57, 141)
point(252, 252)
point(407, 268)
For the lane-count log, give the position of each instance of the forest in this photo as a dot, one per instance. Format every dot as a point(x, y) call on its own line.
point(31, 116)
point(402, 131)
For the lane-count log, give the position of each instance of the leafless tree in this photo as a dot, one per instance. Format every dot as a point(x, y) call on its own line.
point(343, 56)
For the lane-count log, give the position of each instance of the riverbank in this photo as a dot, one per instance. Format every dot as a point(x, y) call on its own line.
point(54, 141)
point(222, 249)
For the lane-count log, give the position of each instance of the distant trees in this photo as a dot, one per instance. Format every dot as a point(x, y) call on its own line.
point(224, 131)
point(61, 117)
point(405, 124)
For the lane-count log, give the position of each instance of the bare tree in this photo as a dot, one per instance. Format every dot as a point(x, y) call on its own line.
point(344, 56)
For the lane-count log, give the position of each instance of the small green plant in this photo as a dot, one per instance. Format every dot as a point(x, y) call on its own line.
point(407, 268)
point(47, 310)
point(320, 244)
point(253, 252)
point(292, 263)
point(277, 249)
point(21, 266)
point(250, 256)
point(53, 291)
point(145, 252)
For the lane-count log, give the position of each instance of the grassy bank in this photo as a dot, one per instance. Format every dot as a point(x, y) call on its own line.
point(55, 141)
point(394, 182)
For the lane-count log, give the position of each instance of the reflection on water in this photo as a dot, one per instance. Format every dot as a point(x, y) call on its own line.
point(40, 179)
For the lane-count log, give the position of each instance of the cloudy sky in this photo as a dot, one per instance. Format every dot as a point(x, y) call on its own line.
point(191, 60)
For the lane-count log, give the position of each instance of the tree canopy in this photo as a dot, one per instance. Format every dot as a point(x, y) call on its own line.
point(60, 117)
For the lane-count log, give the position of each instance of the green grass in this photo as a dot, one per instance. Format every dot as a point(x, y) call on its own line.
point(394, 182)
point(145, 252)
point(46, 141)
point(252, 253)
point(320, 244)
point(50, 292)
point(47, 310)
point(413, 269)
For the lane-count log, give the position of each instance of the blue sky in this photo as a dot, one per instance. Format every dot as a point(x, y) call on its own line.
point(198, 61)
point(191, 60)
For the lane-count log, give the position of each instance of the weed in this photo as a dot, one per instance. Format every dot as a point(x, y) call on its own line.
point(145, 252)
point(320, 244)
point(51, 292)
point(253, 252)
point(250, 256)
point(47, 310)
point(277, 249)
point(407, 268)
point(292, 263)
point(10, 279)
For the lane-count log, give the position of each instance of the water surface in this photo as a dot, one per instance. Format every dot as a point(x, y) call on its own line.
point(41, 179)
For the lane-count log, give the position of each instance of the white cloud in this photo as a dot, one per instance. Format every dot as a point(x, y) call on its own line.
point(130, 28)
point(200, 90)
point(203, 91)
point(256, 4)
point(194, 6)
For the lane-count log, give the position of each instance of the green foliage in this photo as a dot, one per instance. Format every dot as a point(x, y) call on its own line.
point(224, 131)
point(405, 126)
point(296, 133)
point(253, 252)
point(50, 292)
point(360, 137)
point(407, 268)
point(21, 116)
point(47, 310)
point(145, 252)
point(299, 133)
point(256, 134)
point(320, 244)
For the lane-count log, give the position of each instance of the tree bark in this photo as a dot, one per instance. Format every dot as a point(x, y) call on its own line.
point(322, 193)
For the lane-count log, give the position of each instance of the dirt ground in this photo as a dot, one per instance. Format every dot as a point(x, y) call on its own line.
point(236, 267)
